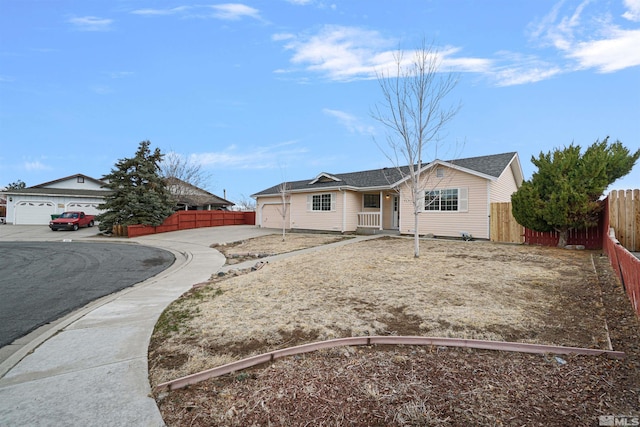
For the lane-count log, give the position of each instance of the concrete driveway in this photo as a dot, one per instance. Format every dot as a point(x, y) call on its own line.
point(42, 233)
point(90, 368)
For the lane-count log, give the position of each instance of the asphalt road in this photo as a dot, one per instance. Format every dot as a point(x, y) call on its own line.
point(42, 281)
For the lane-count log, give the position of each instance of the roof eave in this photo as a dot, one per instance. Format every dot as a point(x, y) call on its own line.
point(332, 188)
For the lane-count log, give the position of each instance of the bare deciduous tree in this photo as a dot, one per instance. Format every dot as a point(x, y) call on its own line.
point(414, 117)
point(246, 204)
point(175, 168)
point(284, 190)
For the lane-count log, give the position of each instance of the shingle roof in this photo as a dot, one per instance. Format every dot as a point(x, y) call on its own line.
point(489, 165)
point(87, 178)
point(199, 195)
point(60, 192)
point(492, 165)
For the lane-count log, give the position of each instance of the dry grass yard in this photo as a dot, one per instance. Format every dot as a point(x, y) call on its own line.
point(375, 287)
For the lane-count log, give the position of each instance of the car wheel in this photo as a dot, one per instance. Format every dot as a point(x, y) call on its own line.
point(90, 223)
point(54, 229)
point(75, 227)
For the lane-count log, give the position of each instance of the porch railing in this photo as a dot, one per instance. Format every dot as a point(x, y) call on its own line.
point(369, 219)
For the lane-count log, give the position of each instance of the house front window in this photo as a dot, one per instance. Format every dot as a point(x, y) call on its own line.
point(447, 200)
point(321, 202)
point(372, 201)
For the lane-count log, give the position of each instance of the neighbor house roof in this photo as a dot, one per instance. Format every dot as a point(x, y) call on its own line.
point(193, 195)
point(66, 178)
point(45, 190)
point(489, 167)
point(59, 192)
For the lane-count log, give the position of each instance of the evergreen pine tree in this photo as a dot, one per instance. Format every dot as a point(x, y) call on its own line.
point(564, 193)
point(139, 194)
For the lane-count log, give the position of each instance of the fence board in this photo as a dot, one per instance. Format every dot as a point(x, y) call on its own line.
point(184, 220)
point(626, 266)
point(505, 229)
point(502, 226)
point(624, 217)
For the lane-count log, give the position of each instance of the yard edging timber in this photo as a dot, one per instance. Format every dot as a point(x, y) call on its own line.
point(386, 340)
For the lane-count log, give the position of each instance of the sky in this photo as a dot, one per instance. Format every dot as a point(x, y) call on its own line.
point(261, 92)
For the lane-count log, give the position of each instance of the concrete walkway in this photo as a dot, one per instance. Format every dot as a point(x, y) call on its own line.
point(90, 368)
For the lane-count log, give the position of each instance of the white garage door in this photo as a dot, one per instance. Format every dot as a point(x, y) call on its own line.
point(34, 213)
point(89, 208)
point(272, 217)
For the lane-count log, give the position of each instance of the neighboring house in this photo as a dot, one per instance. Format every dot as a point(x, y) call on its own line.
point(35, 205)
point(457, 196)
point(190, 197)
point(3, 209)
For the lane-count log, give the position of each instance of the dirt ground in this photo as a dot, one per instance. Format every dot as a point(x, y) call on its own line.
point(376, 287)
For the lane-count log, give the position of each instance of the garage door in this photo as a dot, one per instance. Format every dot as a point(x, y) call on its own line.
point(34, 213)
point(89, 208)
point(272, 216)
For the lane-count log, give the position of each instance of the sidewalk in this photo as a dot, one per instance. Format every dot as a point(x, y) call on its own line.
point(91, 369)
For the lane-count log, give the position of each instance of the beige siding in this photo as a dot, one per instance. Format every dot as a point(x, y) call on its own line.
point(352, 207)
point(344, 218)
point(304, 219)
point(475, 220)
point(502, 189)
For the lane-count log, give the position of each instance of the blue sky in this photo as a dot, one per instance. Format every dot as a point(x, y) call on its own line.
point(260, 92)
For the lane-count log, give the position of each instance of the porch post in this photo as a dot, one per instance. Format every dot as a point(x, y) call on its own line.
point(381, 208)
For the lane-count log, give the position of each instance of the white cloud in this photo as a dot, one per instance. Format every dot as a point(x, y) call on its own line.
point(340, 53)
point(172, 11)
point(589, 37)
point(349, 53)
point(511, 76)
point(349, 121)
point(91, 23)
point(510, 69)
point(225, 11)
point(235, 11)
point(282, 36)
point(264, 157)
point(620, 51)
point(35, 166)
point(633, 10)
point(584, 35)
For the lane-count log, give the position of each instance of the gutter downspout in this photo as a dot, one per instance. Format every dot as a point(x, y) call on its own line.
point(344, 209)
point(488, 209)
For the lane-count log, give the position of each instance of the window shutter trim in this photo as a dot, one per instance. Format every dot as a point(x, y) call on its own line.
point(463, 202)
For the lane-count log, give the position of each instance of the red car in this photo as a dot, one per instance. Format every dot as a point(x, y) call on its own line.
point(71, 221)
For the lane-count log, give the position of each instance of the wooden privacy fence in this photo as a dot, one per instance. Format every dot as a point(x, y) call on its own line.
point(503, 226)
point(624, 217)
point(184, 220)
point(590, 238)
point(626, 266)
point(622, 214)
point(505, 229)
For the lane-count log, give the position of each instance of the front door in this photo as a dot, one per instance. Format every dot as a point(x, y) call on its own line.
point(396, 212)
